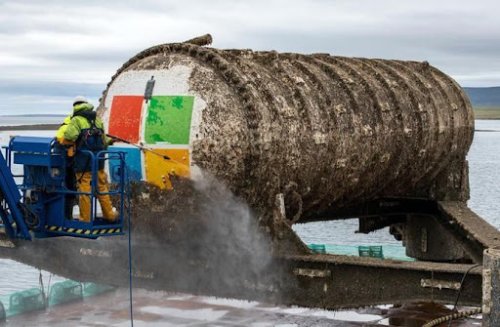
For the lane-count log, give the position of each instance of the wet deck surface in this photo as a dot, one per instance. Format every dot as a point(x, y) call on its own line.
point(166, 309)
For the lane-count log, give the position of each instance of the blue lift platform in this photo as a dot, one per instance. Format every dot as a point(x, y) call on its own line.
point(38, 206)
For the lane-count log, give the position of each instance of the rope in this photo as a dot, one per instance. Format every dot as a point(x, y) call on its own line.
point(143, 148)
point(456, 315)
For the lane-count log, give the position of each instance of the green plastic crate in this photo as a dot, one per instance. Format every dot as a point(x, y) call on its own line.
point(374, 251)
point(26, 301)
point(64, 292)
point(317, 248)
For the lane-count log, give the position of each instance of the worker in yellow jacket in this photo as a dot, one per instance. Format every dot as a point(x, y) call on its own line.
point(86, 131)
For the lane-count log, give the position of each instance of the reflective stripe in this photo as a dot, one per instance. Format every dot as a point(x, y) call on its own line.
point(72, 230)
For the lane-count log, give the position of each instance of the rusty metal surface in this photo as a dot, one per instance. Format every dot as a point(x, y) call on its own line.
point(491, 288)
point(474, 227)
point(326, 281)
point(356, 283)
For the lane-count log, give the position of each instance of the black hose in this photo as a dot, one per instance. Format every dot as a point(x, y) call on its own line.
point(143, 148)
point(456, 315)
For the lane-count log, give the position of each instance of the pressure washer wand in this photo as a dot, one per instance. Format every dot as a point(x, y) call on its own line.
point(143, 148)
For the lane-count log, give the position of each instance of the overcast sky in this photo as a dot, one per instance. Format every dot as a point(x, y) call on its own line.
point(52, 50)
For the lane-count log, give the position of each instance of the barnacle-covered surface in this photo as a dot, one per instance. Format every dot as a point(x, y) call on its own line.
point(326, 131)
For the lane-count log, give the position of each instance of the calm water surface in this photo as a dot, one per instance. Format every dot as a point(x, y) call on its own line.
point(6, 120)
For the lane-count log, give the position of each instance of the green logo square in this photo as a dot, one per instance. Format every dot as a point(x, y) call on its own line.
point(169, 119)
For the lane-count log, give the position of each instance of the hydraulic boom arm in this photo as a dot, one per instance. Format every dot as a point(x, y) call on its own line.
point(10, 202)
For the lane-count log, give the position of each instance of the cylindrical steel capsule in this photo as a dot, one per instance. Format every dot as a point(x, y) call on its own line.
point(326, 131)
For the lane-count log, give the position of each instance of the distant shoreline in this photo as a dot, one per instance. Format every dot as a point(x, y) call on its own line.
point(486, 113)
point(37, 127)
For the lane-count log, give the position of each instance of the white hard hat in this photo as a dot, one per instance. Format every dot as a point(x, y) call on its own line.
point(80, 99)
